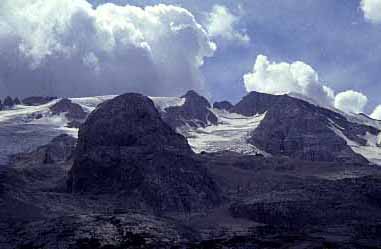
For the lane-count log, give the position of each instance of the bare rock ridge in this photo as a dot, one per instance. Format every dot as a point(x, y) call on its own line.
point(37, 100)
point(131, 181)
point(9, 102)
point(60, 149)
point(125, 147)
point(73, 112)
point(223, 105)
point(301, 130)
point(194, 113)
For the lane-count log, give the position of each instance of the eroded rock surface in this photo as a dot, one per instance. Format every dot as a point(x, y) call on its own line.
point(195, 112)
point(37, 100)
point(136, 183)
point(72, 111)
point(125, 147)
point(301, 130)
point(61, 148)
point(223, 105)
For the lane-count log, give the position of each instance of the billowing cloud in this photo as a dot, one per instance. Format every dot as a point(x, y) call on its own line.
point(376, 114)
point(300, 80)
point(372, 10)
point(351, 101)
point(280, 78)
point(222, 23)
point(69, 47)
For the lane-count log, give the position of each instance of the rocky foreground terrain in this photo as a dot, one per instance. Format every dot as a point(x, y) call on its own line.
point(144, 172)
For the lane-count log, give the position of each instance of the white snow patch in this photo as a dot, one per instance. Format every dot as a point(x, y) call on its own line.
point(370, 151)
point(230, 134)
point(161, 103)
point(90, 103)
point(21, 112)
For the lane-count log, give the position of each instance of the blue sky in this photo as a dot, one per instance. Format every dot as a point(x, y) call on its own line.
point(331, 36)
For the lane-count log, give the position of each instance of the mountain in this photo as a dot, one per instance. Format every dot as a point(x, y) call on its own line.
point(175, 172)
point(298, 129)
point(194, 112)
point(130, 150)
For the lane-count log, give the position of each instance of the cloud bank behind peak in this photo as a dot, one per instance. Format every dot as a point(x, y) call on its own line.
point(371, 10)
point(70, 48)
point(300, 78)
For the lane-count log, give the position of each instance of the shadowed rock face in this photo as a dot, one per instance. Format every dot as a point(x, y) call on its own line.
point(195, 112)
point(8, 102)
point(37, 100)
point(255, 103)
point(60, 149)
point(72, 111)
point(16, 101)
point(129, 158)
point(298, 129)
point(125, 147)
point(321, 203)
point(223, 105)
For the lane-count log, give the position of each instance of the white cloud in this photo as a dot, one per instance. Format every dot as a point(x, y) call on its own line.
point(222, 23)
point(351, 101)
point(372, 10)
point(280, 78)
point(376, 114)
point(300, 80)
point(68, 47)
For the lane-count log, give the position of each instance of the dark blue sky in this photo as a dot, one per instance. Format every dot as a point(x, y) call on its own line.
point(331, 36)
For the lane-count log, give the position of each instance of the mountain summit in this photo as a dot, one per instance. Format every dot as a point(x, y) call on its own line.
point(174, 172)
point(125, 148)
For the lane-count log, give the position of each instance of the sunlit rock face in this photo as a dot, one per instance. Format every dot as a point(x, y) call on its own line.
point(125, 148)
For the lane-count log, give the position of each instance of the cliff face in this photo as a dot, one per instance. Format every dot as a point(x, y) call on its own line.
point(300, 130)
point(195, 112)
point(135, 183)
point(125, 147)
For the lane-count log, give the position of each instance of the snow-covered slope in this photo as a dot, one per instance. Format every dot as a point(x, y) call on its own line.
point(230, 134)
point(371, 151)
point(24, 128)
point(20, 131)
point(161, 103)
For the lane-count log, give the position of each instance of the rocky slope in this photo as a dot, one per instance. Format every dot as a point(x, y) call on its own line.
point(223, 105)
point(301, 130)
point(129, 150)
point(132, 181)
point(195, 112)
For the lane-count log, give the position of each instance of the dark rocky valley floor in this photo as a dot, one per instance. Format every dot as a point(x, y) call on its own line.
point(131, 180)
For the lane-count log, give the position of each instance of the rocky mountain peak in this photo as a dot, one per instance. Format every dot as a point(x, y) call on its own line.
point(195, 112)
point(37, 100)
point(72, 111)
point(302, 130)
point(129, 120)
point(8, 102)
point(125, 148)
point(256, 103)
point(194, 98)
point(223, 105)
